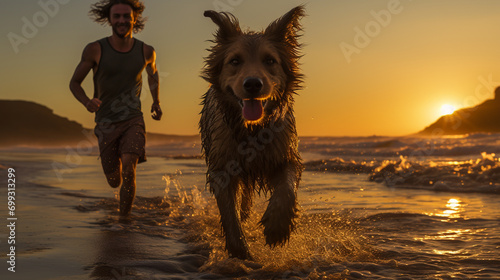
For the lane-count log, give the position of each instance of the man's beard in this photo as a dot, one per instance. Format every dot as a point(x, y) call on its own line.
point(121, 35)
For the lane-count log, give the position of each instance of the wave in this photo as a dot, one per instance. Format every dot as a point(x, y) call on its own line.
point(427, 147)
point(480, 176)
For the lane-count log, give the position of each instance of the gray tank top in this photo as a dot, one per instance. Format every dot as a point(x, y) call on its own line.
point(118, 82)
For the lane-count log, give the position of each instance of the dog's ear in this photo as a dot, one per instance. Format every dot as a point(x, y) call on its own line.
point(286, 28)
point(228, 24)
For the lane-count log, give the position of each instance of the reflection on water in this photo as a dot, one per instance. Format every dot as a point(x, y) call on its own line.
point(453, 234)
point(449, 252)
point(451, 241)
point(455, 209)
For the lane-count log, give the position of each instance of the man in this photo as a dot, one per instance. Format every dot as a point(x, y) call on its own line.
point(117, 63)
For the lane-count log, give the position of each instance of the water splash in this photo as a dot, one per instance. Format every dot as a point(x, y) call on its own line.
point(185, 201)
point(319, 240)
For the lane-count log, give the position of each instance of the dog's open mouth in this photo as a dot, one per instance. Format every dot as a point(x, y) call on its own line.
point(253, 109)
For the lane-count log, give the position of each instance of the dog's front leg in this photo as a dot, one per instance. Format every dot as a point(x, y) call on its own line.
point(225, 194)
point(279, 218)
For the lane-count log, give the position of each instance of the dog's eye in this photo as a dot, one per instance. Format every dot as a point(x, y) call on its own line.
point(235, 62)
point(270, 61)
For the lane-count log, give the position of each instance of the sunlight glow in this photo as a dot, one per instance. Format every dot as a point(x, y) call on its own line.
point(454, 209)
point(449, 252)
point(453, 204)
point(447, 109)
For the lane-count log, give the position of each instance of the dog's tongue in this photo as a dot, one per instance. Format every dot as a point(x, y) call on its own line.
point(252, 109)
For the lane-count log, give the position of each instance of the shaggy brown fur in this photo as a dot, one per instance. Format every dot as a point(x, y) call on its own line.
point(247, 125)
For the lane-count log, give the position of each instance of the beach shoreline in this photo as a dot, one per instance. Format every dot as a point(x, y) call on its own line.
point(68, 226)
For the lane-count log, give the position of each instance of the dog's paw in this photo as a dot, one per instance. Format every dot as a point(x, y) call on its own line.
point(277, 228)
point(239, 250)
point(277, 235)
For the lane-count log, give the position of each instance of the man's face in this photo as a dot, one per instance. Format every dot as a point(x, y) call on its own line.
point(122, 20)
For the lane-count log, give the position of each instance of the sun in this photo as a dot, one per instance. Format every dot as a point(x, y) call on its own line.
point(447, 109)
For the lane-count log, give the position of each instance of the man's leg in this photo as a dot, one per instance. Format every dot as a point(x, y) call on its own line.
point(127, 192)
point(132, 151)
point(115, 178)
point(110, 158)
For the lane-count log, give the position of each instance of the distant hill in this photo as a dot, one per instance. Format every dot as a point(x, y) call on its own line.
point(29, 123)
point(484, 117)
point(25, 123)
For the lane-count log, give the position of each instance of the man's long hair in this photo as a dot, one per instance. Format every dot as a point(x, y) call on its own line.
point(100, 12)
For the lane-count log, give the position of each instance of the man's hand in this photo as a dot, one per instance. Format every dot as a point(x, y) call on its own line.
point(93, 105)
point(156, 112)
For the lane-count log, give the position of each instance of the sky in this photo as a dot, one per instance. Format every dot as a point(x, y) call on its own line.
point(372, 67)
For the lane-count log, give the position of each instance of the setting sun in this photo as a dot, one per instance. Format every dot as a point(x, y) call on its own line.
point(447, 109)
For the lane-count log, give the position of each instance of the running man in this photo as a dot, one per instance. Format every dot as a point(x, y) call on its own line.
point(117, 63)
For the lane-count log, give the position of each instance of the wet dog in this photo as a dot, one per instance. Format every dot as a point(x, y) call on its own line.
point(247, 125)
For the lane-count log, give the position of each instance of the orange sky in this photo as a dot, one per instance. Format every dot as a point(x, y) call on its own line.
point(373, 67)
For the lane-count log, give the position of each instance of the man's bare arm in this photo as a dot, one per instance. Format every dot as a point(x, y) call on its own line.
point(89, 61)
point(153, 81)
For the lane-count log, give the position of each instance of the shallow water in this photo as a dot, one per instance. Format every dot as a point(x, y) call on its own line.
point(349, 228)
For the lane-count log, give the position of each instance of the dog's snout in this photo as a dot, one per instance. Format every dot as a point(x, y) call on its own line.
point(253, 85)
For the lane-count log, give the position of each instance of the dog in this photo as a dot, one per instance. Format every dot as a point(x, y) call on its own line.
point(247, 125)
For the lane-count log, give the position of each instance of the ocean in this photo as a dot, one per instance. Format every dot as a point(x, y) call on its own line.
point(371, 208)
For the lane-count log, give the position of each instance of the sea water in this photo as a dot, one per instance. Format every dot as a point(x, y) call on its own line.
point(371, 208)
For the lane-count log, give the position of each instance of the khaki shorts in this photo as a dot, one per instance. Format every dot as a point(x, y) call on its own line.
point(120, 138)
